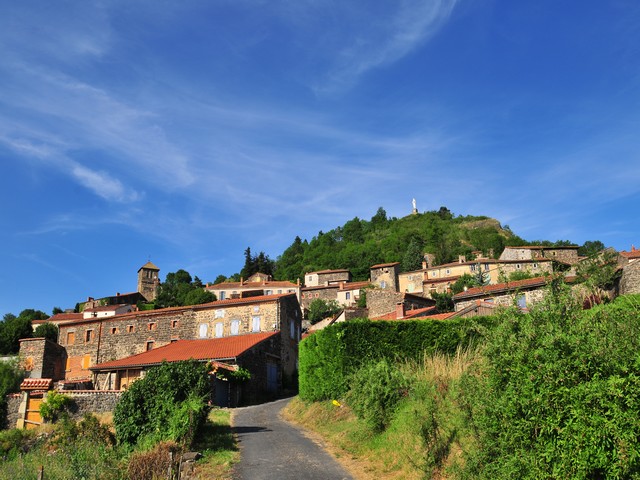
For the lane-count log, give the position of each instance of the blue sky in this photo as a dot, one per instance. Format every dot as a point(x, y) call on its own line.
point(186, 131)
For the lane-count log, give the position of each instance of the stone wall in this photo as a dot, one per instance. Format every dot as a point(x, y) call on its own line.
point(382, 302)
point(630, 280)
point(92, 401)
point(505, 299)
point(13, 404)
point(326, 293)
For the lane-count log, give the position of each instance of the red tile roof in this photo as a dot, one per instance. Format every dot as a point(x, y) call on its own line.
point(382, 265)
point(409, 314)
point(353, 285)
point(340, 270)
point(441, 280)
point(633, 254)
point(206, 349)
point(204, 306)
point(499, 287)
point(60, 317)
point(36, 384)
point(252, 285)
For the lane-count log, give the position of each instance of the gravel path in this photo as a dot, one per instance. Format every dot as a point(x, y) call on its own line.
point(271, 448)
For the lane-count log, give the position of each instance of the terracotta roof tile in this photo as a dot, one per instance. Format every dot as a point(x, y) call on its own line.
point(36, 384)
point(205, 349)
point(354, 285)
point(409, 314)
point(499, 287)
point(340, 270)
point(382, 265)
point(255, 285)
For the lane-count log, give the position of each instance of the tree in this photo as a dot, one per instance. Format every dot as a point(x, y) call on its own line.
point(11, 376)
point(444, 302)
point(180, 289)
point(56, 311)
point(465, 280)
point(47, 330)
point(413, 257)
point(379, 219)
point(258, 263)
point(590, 248)
point(320, 309)
point(13, 328)
point(219, 279)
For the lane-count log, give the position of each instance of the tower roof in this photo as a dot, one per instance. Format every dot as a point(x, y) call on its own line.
point(149, 266)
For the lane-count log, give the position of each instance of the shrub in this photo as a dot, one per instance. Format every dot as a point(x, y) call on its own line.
point(558, 393)
point(148, 405)
point(156, 463)
point(375, 392)
point(320, 309)
point(54, 405)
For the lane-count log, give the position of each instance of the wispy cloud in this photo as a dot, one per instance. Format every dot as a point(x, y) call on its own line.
point(376, 44)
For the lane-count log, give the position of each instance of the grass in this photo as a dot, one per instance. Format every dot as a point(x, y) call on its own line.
point(425, 438)
point(218, 447)
point(23, 452)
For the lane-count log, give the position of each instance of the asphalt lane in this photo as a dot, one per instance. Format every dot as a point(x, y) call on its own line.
point(271, 448)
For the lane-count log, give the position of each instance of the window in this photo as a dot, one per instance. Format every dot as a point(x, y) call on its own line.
point(473, 268)
point(150, 345)
point(348, 295)
point(86, 362)
point(518, 266)
point(292, 329)
point(433, 274)
point(268, 292)
point(114, 330)
point(130, 329)
point(88, 336)
point(152, 326)
point(218, 314)
point(203, 330)
point(255, 323)
point(67, 366)
point(383, 284)
point(535, 265)
point(486, 267)
point(235, 327)
point(448, 272)
point(279, 291)
point(256, 309)
point(71, 338)
point(219, 329)
point(174, 323)
point(223, 295)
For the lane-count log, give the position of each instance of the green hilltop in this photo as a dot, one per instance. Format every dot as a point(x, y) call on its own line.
point(359, 244)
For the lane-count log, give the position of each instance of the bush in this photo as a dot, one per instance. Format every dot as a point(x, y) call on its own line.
point(558, 393)
point(150, 405)
point(156, 463)
point(375, 392)
point(11, 376)
point(54, 406)
point(320, 309)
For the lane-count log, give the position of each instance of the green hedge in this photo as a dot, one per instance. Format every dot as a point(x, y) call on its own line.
point(330, 356)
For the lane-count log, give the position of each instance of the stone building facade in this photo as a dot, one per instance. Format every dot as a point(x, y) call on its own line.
point(148, 281)
point(522, 293)
point(326, 277)
point(381, 302)
point(385, 276)
point(630, 279)
point(326, 293)
point(87, 342)
point(567, 254)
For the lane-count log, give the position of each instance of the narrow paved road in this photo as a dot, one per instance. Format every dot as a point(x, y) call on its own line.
point(273, 449)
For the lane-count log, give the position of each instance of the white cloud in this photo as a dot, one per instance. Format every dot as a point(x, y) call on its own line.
point(102, 185)
point(377, 44)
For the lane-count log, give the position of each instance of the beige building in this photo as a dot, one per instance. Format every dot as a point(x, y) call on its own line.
point(257, 284)
point(326, 277)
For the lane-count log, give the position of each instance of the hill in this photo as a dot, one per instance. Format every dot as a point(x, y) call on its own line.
point(359, 244)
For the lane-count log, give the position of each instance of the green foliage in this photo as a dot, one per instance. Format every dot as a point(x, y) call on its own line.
point(260, 263)
point(375, 392)
point(444, 302)
point(54, 406)
point(329, 357)
point(13, 328)
point(150, 406)
point(591, 248)
point(320, 309)
point(362, 298)
point(520, 275)
point(11, 376)
point(48, 331)
point(465, 280)
point(180, 289)
point(599, 272)
point(358, 244)
point(558, 393)
point(155, 463)
point(413, 257)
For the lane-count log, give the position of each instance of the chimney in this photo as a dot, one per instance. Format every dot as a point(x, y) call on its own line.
point(424, 265)
point(89, 299)
point(298, 281)
point(241, 281)
point(399, 310)
point(117, 294)
point(461, 259)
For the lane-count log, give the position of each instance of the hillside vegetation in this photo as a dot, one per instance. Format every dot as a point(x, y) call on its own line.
point(553, 393)
point(358, 244)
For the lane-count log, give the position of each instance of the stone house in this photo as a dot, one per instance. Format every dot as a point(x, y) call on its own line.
point(630, 278)
point(567, 255)
point(323, 292)
point(257, 353)
point(522, 293)
point(381, 302)
point(348, 294)
point(259, 282)
point(385, 275)
point(326, 277)
point(85, 343)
